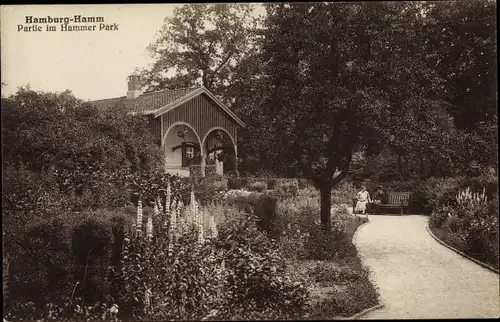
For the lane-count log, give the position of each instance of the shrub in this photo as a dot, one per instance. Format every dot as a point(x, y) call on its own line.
point(47, 129)
point(309, 192)
point(295, 221)
point(211, 171)
point(42, 272)
point(347, 300)
point(178, 271)
point(69, 309)
point(303, 183)
point(301, 234)
point(220, 185)
point(323, 245)
point(231, 195)
point(262, 206)
point(440, 191)
point(258, 277)
point(148, 185)
point(285, 189)
point(235, 183)
point(26, 195)
point(471, 224)
point(119, 226)
point(53, 256)
point(204, 191)
point(478, 227)
point(195, 172)
point(91, 245)
point(259, 186)
point(344, 193)
point(487, 180)
point(92, 187)
point(208, 190)
point(440, 215)
point(271, 183)
point(334, 273)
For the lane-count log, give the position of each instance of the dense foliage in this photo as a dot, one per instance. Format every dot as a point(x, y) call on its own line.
point(382, 77)
point(172, 263)
point(465, 215)
point(204, 45)
point(62, 153)
point(59, 131)
point(401, 93)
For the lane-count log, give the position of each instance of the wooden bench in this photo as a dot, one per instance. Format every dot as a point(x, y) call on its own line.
point(395, 200)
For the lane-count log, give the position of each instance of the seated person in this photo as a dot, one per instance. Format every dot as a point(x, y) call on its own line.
point(378, 197)
point(363, 198)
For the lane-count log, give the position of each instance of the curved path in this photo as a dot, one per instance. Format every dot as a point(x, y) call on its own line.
point(419, 278)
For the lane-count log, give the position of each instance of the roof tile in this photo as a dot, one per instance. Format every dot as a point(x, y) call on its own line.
point(146, 102)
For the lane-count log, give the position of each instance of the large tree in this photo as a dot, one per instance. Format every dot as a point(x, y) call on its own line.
point(202, 44)
point(217, 46)
point(337, 78)
point(461, 44)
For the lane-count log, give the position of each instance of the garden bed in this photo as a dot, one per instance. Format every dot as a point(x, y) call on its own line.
point(448, 238)
point(307, 272)
point(339, 288)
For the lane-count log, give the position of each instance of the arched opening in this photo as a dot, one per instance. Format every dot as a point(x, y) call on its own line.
point(182, 149)
point(220, 150)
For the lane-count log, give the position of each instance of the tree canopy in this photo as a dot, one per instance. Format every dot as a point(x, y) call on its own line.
point(202, 45)
point(347, 77)
point(320, 82)
point(59, 131)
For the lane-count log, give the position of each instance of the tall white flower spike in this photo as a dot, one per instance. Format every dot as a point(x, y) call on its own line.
point(180, 205)
point(158, 204)
point(139, 215)
point(187, 215)
point(168, 197)
point(173, 220)
point(149, 228)
point(213, 227)
point(173, 209)
point(201, 238)
point(147, 300)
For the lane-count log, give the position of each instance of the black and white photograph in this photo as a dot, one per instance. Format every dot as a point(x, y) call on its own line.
point(250, 161)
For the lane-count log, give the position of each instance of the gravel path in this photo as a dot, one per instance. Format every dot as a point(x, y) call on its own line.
point(419, 278)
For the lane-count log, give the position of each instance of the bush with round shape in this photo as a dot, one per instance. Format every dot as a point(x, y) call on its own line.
point(259, 186)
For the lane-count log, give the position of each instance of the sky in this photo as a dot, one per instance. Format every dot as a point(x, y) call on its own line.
point(92, 64)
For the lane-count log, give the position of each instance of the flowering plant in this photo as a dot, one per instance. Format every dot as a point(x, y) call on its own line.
point(185, 268)
point(467, 196)
point(172, 270)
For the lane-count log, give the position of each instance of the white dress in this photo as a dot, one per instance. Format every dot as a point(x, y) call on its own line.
point(363, 198)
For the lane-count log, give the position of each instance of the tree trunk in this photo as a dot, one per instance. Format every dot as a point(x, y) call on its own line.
point(326, 205)
point(400, 169)
point(421, 167)
point(404, 167)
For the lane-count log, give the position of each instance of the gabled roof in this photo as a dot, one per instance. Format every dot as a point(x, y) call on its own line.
point(161, 102)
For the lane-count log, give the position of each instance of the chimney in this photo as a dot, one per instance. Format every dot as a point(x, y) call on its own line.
point(134, 86)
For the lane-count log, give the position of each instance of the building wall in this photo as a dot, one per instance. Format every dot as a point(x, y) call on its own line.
point(155, 126)
point(173, 159)
point(202, 114)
